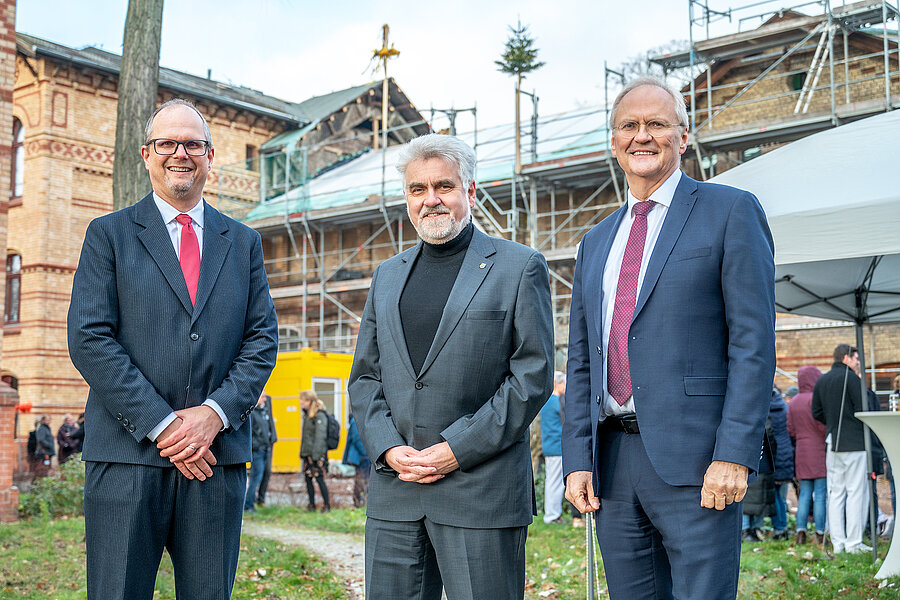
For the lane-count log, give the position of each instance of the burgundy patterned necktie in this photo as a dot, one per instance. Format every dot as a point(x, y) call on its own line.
point(189, 255)
point(618, 375)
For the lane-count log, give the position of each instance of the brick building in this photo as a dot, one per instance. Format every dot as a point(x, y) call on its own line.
point(64, 115)
point(308, 176)
point(760, 89)
point(9, 495)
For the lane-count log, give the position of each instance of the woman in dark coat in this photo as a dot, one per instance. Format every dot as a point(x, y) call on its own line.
point(314, 447)
point(809, 461)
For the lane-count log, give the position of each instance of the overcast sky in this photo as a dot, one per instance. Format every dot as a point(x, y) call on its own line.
point(296, 49)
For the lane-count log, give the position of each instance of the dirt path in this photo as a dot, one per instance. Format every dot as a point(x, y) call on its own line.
point(344, 553)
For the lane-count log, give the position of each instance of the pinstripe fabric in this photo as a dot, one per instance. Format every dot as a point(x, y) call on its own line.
point(131, 325)
point(132, 528)
point(145, 350)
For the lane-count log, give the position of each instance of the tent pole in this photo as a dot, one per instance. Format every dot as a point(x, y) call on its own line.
point(867, 435)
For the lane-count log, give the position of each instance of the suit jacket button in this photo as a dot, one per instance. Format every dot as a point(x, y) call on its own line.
point(598, 399)
point(195, 336)
point(419, 385)
point(244, 417)
point(132, 428)
point(119, 416)
point(599, 351)
point(125, 422)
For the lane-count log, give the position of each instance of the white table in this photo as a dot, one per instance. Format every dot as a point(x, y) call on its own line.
point(886, 425)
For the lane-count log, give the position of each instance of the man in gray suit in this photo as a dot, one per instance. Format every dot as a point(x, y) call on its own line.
point(452, 363)
point(173, 328)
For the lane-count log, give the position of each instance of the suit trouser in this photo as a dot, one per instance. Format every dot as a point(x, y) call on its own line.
point(848, 497)
point(132, 512)
point(553, 488)
point(656, 541)
point(414, 560)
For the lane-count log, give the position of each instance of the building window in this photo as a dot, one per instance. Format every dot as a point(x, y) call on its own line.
point(11, 381)
point(17, 171)
point(252, 156)
point(289, 338)
point(13, 288)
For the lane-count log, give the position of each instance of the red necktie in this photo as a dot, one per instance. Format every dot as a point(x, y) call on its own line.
point(189, 255)
point(618, 374)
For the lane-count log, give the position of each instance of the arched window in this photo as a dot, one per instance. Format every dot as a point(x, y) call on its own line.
point(13, 288)
point(17, 171)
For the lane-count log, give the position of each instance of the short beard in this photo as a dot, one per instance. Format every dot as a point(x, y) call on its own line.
point(180, 190)
point(443, 235)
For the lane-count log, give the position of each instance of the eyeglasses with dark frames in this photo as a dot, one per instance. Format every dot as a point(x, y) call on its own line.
point(166, 147)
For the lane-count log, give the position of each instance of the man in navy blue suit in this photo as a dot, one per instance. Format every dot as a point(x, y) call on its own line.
point(671, 358)
point(172, 326)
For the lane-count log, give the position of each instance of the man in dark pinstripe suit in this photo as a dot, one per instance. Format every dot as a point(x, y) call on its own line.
point(172, 326)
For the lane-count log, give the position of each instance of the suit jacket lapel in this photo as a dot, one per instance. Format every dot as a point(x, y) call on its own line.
point(155, 238)
point(601, 257)
point(474, 269)
point(676, 217)
point(393, 286)
point(215, 247)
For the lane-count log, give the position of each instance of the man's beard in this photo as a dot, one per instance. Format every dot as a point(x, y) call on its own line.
point(180, 190)
point(440, 232)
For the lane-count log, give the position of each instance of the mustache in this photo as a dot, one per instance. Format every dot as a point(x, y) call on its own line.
point(434, 210)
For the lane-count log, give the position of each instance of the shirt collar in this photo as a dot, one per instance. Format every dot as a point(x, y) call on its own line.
point(663, 194)
point(169, 212)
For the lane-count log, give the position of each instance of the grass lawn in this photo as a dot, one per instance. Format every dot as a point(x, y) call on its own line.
point(555, 562)
point(45, 559)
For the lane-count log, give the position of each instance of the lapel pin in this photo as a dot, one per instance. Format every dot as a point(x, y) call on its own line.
point(482, 265)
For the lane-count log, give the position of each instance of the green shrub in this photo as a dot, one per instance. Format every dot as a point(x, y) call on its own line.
point(61, 494)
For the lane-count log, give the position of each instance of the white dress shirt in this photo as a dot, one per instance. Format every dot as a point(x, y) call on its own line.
point(663, 198)
point(169, 214)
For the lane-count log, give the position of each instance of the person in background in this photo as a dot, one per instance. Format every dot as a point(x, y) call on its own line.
point(355, 455)
point(262, 430)
point(809, 456)
point(67, 445)
point(551, 446)
point(45, 449)
point(836, 398)
point(314, 448)
point(78, 434)
point(264, 482)
point(784, 464)
point(790, 393)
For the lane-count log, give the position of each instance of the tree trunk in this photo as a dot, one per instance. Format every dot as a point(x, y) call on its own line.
point(518, 126)
point(137, 98)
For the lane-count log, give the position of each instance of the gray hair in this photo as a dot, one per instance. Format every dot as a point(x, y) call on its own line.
point(677, 99)
point(559, 377)
point(446, 147)
point(148, 128)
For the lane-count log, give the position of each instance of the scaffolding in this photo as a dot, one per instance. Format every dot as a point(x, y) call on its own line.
point(325, 235)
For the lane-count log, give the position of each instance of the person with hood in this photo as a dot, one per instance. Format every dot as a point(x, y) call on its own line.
point(809, 456)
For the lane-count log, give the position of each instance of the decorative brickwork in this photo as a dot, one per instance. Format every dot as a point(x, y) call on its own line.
point(9, 495)
point(69, 116)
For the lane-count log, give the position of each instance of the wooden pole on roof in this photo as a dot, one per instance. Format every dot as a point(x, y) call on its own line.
point(383, 54)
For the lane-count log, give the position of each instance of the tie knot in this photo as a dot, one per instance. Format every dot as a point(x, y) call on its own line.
point(186, 219)
point(642, 208)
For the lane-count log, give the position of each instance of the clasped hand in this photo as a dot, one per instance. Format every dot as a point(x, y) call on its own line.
point(186, 441)
point(422, 466)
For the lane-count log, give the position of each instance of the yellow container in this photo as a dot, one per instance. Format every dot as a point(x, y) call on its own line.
point(326, 373)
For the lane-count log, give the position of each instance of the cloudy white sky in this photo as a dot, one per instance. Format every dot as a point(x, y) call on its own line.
point(295, 49)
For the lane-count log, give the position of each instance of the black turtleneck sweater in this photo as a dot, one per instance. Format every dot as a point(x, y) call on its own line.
point(427, 289)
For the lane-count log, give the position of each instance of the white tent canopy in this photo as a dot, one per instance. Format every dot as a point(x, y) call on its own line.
point(833, 203)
